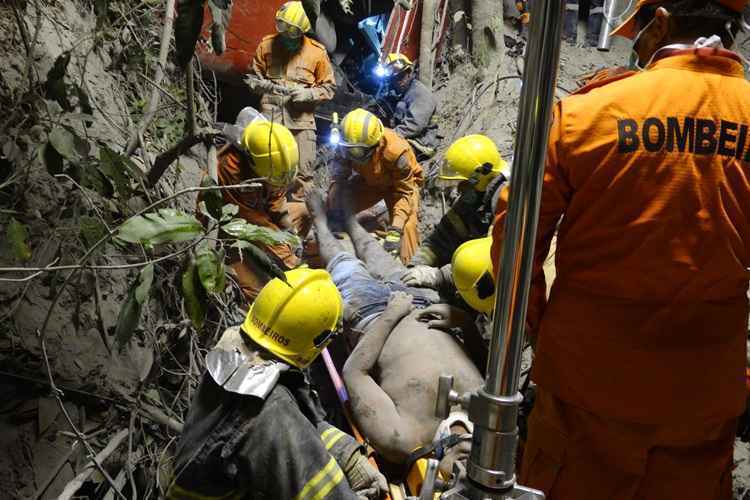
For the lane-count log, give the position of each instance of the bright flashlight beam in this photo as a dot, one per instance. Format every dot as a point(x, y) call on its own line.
point(380, 71)
point(335, 137)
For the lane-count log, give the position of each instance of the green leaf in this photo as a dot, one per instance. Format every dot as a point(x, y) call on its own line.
point(17, 235)
point(187, 29)
point(52, 160)
point(91, 230)
point(128, 319)
point(64, 143)
point(193, 294)
point(85, 104)
point(210, 268)
point(243, 230)
point(228, 211)
point(55, 87)
point(260, 259)
point(87, 175)
point(115, 166)
point(213, 198)
point(145, 279)
point(130, 312)
point(101, 10)
point(165, 226)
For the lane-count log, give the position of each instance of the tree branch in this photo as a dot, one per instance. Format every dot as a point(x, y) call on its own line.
point(250, 183)
point(73, 486)
point(153, 103)
point(165, 159)
point(77, 482)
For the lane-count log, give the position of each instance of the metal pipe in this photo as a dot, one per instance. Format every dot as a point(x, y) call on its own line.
point(494, 408)
point(537, 94)
point(605, 35)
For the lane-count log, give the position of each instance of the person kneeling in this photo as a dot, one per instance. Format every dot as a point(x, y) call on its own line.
point(255, 427)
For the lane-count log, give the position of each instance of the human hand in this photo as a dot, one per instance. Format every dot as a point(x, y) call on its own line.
point(364, 479)
point(423, 276)
point(399, 304)
point(444, 317)
point(301, 95)
point(457, 453)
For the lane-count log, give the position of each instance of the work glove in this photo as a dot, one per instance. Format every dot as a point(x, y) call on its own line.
point(423, 277)
point(364, 479)
point(259, 85)
point(302, 95)
point(392, 243)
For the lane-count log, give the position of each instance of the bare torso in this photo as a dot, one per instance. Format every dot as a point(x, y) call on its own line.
point(409, 365)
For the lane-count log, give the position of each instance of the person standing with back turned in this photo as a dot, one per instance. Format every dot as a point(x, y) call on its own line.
point(640, 348)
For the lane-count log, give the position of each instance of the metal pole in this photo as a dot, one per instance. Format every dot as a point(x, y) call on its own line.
point(494, 408)
point(605, 35)
point(534, 115)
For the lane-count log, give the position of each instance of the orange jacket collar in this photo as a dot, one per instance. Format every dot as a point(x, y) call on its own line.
point(704, 60)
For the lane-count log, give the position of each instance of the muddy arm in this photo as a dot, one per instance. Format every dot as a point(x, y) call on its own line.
point(374, 411)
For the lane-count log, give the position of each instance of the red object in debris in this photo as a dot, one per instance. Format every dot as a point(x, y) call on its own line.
point(402, 34)
point(404, 29)
point(251, 20)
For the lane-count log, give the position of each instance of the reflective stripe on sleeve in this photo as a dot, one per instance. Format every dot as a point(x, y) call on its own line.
point(322, 482)
point(331, 436)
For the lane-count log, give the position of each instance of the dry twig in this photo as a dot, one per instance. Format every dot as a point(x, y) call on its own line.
point(71, 488)
point(77, 482)
point(153, 103)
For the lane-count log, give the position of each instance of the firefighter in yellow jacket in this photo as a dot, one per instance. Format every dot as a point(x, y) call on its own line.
point(374, 163)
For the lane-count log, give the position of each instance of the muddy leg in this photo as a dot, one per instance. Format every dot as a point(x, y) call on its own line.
point(328, 245)
point(379, 262)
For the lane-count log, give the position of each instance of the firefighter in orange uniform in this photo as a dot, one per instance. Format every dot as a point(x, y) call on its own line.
point(640, 348)
point(268, 150)
point(293, 74)
point(385, 169)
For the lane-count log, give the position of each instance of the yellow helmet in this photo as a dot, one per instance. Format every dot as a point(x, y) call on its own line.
point(273, 150)
point(472, 157)
point(292, 20)
point(361, 128)
point(396, 62)
point(296, 321)
point(472, 274)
